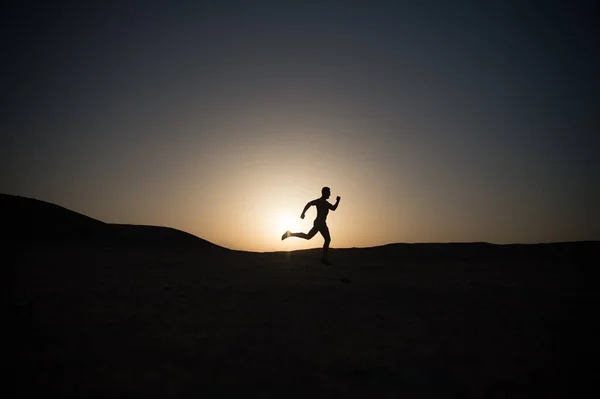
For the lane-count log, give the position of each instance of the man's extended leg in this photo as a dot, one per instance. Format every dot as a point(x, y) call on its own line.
point(306, 236)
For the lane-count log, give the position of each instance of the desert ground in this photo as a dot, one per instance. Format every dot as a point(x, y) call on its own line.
point(380, 322)
point(90, 319)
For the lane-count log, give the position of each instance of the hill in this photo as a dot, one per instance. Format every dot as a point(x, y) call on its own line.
point(32, 221)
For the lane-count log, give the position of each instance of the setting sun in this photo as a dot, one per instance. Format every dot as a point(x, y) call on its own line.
point(287, 221)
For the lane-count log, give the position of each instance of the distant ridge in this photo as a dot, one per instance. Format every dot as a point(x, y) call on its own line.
point(28, 220)
point(457, 250)
point(575, 251)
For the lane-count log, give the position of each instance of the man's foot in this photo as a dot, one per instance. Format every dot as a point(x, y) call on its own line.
point(286, 235)
point(326, 261)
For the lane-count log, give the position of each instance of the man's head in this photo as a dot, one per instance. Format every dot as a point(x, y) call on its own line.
point(325, 192)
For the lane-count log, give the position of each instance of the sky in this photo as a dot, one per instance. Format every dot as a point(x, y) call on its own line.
point(435, 121)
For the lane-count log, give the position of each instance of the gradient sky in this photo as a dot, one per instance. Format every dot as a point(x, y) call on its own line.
point(435, 121)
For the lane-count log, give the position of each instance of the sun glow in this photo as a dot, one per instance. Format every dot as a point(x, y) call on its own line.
point(287, 221)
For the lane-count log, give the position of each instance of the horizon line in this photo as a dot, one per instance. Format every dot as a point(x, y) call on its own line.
point(315, 248)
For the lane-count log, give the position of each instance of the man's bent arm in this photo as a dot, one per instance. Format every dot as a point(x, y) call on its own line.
point(311, 203)
point(337, 202)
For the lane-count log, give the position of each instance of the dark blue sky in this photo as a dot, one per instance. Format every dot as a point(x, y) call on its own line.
point(469, 122)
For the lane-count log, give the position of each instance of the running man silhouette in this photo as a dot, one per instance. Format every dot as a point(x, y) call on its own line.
point(319, 225)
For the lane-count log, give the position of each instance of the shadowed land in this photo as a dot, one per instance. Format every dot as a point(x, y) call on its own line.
point(96, 312)
point(31, 221)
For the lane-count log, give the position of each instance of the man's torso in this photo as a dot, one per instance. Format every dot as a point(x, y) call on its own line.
point(322, 210)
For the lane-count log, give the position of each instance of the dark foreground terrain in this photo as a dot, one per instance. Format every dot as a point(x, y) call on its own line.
point(96, 319)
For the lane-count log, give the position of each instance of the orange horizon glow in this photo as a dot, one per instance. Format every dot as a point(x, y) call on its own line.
point(247, 193)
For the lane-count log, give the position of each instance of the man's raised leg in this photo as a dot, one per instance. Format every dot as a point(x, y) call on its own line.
point(306, 236)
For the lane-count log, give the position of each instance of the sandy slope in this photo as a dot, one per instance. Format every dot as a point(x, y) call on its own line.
point(379, 323)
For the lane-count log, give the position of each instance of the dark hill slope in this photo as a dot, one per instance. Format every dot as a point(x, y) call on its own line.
point(32, 221)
